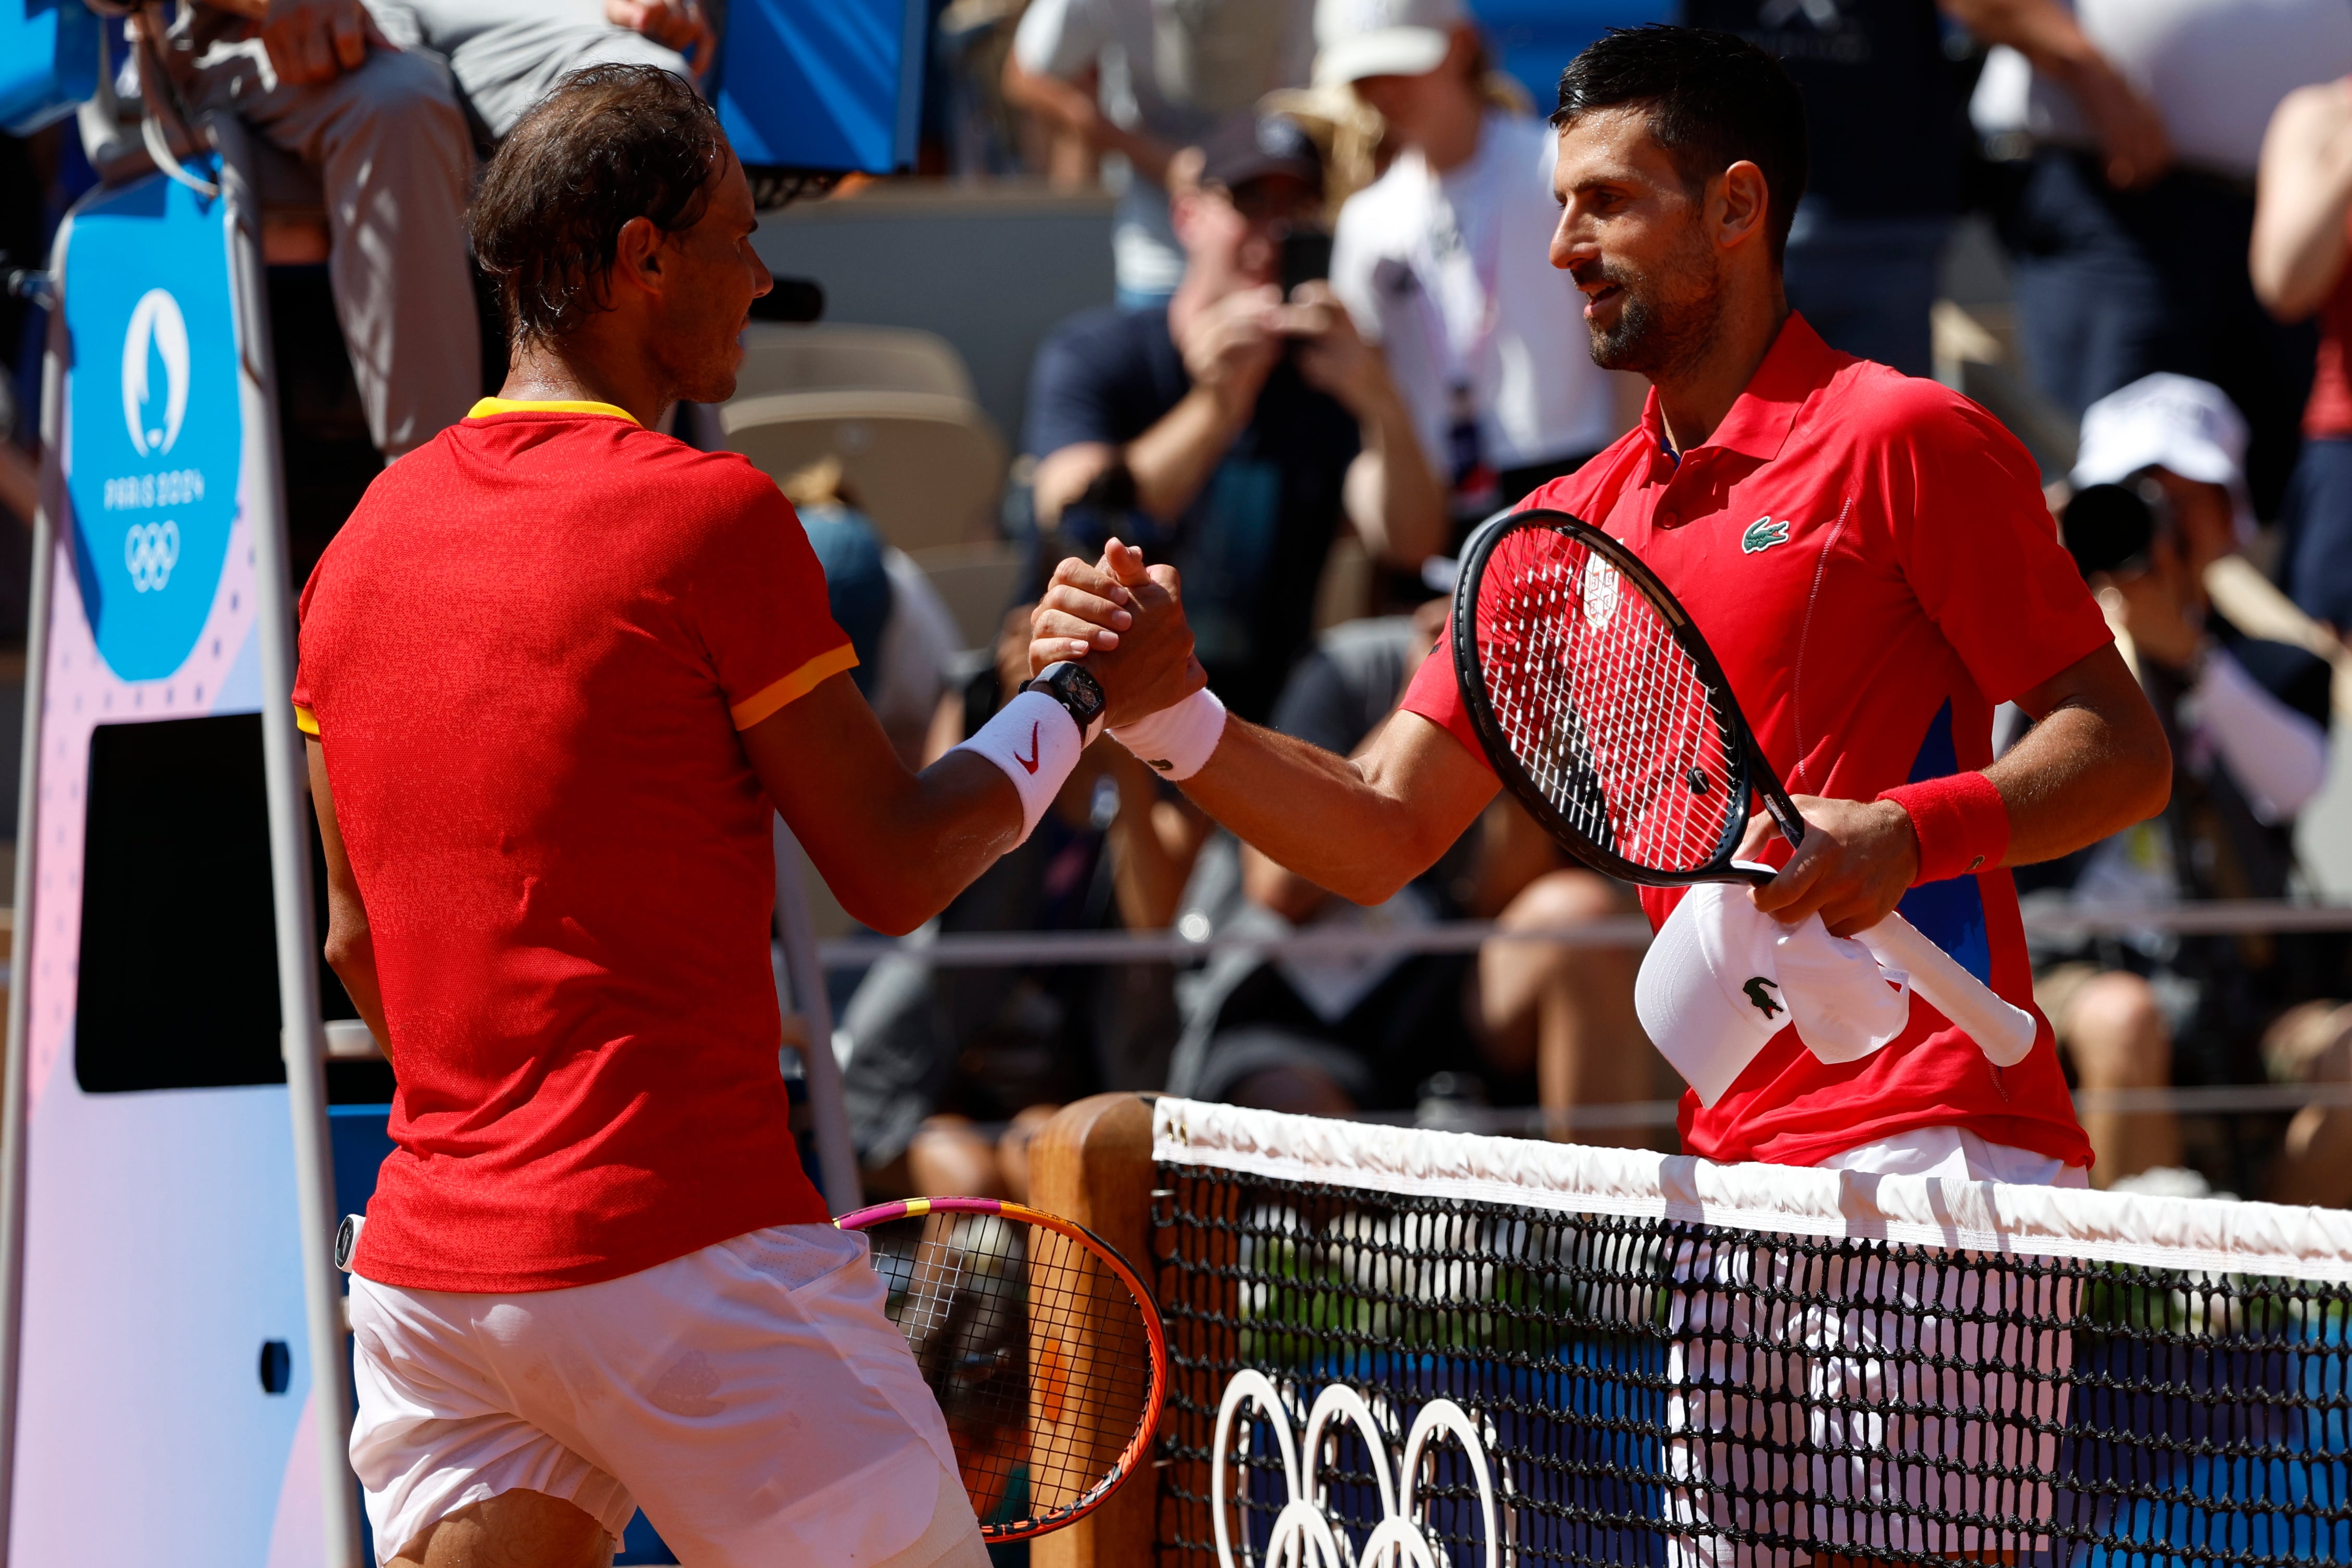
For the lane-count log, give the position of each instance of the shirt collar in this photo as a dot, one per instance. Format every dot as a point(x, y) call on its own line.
point(1797, 365)
point(490, 406)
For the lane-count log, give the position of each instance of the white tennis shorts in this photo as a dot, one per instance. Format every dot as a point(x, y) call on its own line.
point(752, 1397)
point(1842, 1408)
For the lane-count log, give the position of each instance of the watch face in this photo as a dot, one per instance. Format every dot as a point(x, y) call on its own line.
point(1074, 687)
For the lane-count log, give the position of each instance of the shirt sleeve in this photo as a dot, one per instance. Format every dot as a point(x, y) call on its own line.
point(1060, 38)
point(1436, 694)
point(305, 717)
point(758, 601)
point(1981, 553)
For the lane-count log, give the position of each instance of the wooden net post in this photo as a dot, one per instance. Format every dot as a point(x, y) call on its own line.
point(1092, 1163)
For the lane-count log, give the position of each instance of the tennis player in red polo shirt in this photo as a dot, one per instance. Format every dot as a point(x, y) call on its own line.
point(559, 671)
point(1870, 557)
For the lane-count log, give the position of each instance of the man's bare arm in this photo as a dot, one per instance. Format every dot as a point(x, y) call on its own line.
point(1074, 108)
point(1359, 826)
point(2096, 762)
point(2130, 130)
point(2299, 244)
point(351, 948)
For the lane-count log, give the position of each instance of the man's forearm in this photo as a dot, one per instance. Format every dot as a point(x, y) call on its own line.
point(1393, 498)
point(2045, 33)
point(2094, 763)
point(1171, 461)
point(1361, 827)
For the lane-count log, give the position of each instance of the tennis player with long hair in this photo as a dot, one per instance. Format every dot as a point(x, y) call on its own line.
point(560, 671)
point(1871, 560)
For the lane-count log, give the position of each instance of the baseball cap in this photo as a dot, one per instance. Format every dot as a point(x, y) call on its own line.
point(1722, 977)
point(1251, 147)
point(1359, 38)
point(2177, 423)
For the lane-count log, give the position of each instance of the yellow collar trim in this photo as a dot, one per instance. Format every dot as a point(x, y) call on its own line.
point(492, 406)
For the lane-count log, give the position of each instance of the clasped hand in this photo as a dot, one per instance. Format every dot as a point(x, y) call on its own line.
point(1126, 621)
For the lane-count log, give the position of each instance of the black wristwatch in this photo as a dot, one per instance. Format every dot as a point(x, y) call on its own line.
point(1074, 687)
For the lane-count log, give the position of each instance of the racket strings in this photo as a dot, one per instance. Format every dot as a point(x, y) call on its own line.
point(1613, 719)
point(1034, 1348)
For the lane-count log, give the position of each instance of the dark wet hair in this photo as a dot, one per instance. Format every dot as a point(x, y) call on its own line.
point(1713, 99)
point(611, 143)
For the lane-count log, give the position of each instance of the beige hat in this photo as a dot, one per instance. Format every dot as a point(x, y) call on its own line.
point(1359, 38)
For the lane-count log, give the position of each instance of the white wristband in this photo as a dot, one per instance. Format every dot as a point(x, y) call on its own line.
point(1037, 742)
point(1177, 742)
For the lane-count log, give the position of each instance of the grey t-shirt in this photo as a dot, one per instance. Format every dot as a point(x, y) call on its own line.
point(507, 55)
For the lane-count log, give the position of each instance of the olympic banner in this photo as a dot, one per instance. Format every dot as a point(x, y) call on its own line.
point(165, 1299)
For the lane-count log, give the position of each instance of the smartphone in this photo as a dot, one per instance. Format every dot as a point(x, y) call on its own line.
point(1306, 257)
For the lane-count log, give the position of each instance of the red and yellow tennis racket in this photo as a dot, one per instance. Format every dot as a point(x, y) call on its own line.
point(1042, 1345)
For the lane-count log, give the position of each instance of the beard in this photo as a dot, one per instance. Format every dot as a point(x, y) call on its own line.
point(1667, 318)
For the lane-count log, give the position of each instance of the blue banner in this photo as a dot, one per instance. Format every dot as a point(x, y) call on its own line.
point(157, 435)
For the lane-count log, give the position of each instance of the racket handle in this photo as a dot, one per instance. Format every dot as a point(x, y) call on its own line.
point(2002, 1030)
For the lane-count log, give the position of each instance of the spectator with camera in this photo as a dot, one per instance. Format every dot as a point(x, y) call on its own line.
point(2157, 513)
point(1445, 260)
point(1233, 430)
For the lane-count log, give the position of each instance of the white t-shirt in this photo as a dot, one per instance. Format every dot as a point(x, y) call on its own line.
point(2215, 70)
point(1171, 72)
point(1453, 274)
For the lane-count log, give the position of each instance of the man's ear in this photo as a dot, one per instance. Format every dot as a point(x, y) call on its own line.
point(1746, 203)
point(636, 256)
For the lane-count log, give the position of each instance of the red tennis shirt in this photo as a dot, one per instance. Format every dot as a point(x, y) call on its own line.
point(1871, 560)
point(527, 656)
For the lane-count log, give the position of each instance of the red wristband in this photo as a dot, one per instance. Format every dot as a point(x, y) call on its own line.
point(1960, 822)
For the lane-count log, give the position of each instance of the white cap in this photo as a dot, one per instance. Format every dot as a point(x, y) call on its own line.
point(2189, 426)
point(1721, 978)
point(1359, 38)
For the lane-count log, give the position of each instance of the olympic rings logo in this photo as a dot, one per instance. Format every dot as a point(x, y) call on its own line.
point(150, 551)
point(1304, 1536)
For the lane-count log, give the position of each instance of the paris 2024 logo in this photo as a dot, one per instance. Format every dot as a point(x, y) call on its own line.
point(155, 433)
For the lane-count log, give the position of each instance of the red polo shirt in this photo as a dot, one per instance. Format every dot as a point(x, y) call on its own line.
point(527, 656)
point(1870, 557)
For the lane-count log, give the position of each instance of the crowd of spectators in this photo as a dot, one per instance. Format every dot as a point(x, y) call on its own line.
point(1336, 333)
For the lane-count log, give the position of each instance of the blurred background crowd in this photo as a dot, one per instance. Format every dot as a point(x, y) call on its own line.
point(1263, 286)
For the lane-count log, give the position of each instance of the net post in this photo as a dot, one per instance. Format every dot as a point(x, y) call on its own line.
point(1092, 1163)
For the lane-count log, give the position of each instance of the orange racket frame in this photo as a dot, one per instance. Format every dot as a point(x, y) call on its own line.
point(1135, 1455)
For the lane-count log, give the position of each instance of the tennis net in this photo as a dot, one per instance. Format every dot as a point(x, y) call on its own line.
point(1402, 1347)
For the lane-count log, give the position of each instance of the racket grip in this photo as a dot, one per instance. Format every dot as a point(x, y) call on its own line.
point(2002, 1030)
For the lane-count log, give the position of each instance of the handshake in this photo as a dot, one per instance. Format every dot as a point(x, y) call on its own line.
point(1125, 623)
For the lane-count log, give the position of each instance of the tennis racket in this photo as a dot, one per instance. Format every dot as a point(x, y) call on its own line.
point(1043, 1347)
point(1605, 712)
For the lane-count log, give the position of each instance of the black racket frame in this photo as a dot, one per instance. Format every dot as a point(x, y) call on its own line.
point(1752, 775)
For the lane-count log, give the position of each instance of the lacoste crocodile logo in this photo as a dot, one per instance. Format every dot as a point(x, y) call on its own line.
point(1762, 534)
point(1760, 991)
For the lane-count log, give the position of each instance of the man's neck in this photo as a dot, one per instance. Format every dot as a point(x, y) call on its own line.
point(1450, 140)
point(1693, 398)
point(579, 370)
